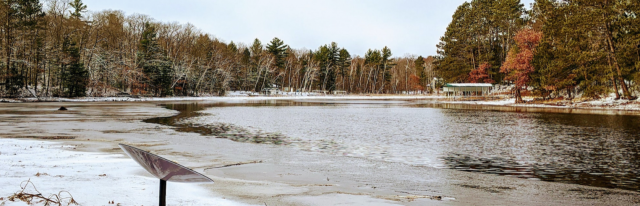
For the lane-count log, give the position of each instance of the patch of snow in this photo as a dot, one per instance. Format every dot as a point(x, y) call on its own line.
point(235, 96)
point(92, 178)
point(470, 85)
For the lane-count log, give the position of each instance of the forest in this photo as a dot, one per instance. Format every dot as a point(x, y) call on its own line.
point(557, 49)
point(55, 48)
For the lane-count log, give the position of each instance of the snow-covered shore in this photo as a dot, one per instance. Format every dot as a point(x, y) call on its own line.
point(286, 176)
point(225, 98)
point(608, 103)
point(603, 104)
point(91, 178)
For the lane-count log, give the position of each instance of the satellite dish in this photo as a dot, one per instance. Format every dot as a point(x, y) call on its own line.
point(164, 169)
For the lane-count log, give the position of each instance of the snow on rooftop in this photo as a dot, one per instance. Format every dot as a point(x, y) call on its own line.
point(469, 85)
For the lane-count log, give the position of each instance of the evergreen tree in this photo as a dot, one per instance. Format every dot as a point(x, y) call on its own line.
point(327, 57)
point(419, 66)
point(155, 65)
point(344, 62)
point(278, 49)
point(588, 45)
point(386, 64)
point(232, 48)
point(78, 8)
point(246, 64)
point(563, 52)
point(76, 76)
point(255, 75)
point(256, 48)
point(14, 81)
point(481, 31)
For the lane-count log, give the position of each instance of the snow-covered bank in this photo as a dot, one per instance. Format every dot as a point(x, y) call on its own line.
point(225, 98)
point(603, 104)
point(92, 178)
point(608, 103)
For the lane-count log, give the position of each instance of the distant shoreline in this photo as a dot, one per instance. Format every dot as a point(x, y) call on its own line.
point(279, 97)
point(602, 104)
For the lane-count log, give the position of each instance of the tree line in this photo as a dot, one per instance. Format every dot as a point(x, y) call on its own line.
point(558, 48)
point(56, 48)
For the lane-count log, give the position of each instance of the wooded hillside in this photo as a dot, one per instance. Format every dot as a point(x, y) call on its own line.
point(56, 48)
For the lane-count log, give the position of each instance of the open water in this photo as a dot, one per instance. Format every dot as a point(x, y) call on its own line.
point(595, 148)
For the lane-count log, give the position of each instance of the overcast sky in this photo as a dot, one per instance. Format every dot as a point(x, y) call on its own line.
point(406, 27)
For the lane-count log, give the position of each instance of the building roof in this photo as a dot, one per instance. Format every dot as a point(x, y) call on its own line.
point(469, 85)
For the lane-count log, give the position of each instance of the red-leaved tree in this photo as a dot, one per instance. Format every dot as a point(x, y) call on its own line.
point(518, 63)
point(415, 83)
point(480, 75)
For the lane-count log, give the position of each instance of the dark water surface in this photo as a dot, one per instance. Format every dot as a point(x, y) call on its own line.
point(588, 147)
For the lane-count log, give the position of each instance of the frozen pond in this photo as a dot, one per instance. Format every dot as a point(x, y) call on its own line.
point(601, 150)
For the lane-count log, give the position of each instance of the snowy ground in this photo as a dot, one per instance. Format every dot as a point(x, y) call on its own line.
point(91, 178)
point(608, 103)
point(238, 97)
point(287, 177)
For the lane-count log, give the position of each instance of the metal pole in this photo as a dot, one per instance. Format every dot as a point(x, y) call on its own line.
point(163, 192)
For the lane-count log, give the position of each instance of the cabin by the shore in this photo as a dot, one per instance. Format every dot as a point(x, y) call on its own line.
point(273, 90)
point(467, 89)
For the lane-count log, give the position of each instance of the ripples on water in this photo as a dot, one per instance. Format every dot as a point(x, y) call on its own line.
point(589, 149)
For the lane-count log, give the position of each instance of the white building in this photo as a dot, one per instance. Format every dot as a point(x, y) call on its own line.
point(467, 89)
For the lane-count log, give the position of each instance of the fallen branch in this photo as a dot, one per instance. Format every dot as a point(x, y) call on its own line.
point(54, 199)
point(235, 164)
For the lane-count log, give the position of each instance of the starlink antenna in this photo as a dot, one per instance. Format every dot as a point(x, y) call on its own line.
point(164, 169)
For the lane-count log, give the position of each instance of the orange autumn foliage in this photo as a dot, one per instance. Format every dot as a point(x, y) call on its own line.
point(415, 83)
point(518, 64)
point(480, 75)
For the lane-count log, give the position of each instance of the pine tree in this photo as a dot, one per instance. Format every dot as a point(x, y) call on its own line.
point(328, 57)
point(155, 65)
point(386, 64)
point(76, 76)
point(278, 49)
point(344, 62)
point(78, 8)
point(232, 48)
point(481, 31)
point(419, 67)
point(246, 64)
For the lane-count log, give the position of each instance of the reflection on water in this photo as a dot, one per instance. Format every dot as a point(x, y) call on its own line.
point(595, 150)
point(562, 145)
point(189, 110)
point(186, 111)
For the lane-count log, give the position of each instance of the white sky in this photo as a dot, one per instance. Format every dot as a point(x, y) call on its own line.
point(405, 26)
